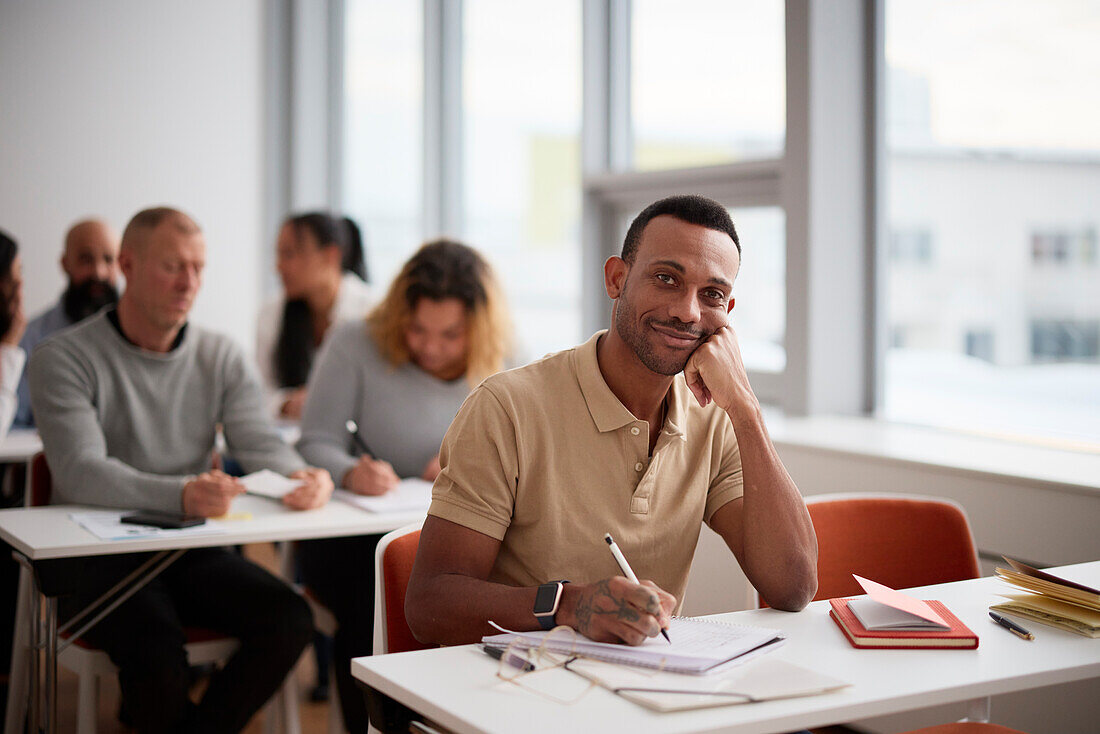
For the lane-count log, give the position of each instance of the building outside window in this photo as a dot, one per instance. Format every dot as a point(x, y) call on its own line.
point(980, 170)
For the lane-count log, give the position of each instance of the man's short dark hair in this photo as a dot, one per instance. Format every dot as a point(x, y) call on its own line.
point(689, 208)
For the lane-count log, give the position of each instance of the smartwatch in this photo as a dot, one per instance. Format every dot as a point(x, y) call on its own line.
point(546, 603)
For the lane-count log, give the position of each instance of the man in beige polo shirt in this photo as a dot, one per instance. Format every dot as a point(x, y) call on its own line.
point(544, 460)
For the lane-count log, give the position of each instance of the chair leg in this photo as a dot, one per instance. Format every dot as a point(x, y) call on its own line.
point(281, 712)
point(87, 704)
point(19, 680)
point(292, 723)
point(335, 713)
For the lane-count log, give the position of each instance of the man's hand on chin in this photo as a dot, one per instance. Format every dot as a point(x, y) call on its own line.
point(715, 372)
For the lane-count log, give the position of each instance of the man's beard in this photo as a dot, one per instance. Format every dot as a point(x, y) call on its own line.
point(635, 336)
point(81, 301)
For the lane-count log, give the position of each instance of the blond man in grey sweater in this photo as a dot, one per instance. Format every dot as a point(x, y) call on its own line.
point(128, 403)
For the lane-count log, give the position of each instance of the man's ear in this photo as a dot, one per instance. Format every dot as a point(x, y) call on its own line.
point(126, 263)
point(730, 307)
point(614, 276)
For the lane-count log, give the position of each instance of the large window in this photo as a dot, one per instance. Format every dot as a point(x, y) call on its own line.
point(707, 115)
point(993, 144)
point(521, 116)
point(706, 82)
point(517, 101)
point(383, 134)
point(464, 117)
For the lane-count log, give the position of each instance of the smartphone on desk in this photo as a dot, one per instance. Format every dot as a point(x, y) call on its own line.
point(161, 519)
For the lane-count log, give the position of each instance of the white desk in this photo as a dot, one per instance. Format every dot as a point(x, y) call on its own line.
point(20, 445)
point(44, 533)
point(47, 533)
point(457, 687)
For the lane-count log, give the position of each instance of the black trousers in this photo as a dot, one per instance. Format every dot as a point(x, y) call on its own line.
point(210, 588)
point(340, 573)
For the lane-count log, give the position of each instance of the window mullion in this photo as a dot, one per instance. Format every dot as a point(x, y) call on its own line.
point(442, 205)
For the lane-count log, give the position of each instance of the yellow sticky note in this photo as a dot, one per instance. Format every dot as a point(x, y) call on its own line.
point(235, 516)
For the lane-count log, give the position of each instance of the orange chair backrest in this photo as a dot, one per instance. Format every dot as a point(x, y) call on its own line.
point(397, 563)
point(898, 541)
point(41, 481)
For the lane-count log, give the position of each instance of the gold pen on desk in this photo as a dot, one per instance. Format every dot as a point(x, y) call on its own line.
point(1011, 626)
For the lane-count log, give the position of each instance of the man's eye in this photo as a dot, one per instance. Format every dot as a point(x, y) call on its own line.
point(715, 295)
point(664, 277)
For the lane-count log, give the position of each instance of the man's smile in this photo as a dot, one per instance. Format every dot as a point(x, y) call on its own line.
point(676, 338)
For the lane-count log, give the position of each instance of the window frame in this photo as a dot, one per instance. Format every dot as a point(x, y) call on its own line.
point(829, 194)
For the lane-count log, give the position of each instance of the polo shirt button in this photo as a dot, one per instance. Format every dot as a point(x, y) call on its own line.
point(634, 430)
point(638, 466)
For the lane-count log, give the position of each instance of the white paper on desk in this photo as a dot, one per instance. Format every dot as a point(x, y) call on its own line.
point(877, 616)
point(269, 484)
point(108, 525)
point(762, 680)
point(408, 496)
point(892, 598)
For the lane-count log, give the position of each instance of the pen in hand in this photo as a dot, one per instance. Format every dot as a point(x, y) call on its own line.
point(353, 429)
point(626, 569)
point(1011, 626)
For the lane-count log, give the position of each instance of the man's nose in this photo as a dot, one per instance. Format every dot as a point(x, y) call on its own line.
point(685, 308)
point(188, 280)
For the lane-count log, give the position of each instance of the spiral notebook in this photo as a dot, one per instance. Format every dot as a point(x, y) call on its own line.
point(698, 645)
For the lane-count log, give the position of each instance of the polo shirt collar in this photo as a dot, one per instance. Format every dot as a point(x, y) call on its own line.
point(678, 397)
point(607, 411)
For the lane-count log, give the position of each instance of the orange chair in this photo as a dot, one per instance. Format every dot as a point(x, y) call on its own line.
point(901, 541)
point(90, 663)
point(898, 540)
point(393, 562)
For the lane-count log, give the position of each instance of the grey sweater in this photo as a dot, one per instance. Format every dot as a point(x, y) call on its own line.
point(125, 427)
point(402, 412)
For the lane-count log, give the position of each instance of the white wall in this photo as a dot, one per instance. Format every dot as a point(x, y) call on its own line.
point(109, 107)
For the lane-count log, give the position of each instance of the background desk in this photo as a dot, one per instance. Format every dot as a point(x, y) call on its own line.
point(457, 686)
point(43, 534)
point(19, 446)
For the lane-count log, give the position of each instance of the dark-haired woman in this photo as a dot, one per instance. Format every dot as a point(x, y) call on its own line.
point(12, 324)
point(401, 375)
point(320, 261)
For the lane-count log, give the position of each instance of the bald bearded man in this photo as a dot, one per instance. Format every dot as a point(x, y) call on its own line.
point(90, 262)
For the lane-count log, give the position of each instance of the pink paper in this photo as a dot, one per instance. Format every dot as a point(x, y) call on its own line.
point(885, 595)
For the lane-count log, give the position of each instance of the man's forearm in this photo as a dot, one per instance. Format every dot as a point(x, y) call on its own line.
point(780, 547)
point(451, 609)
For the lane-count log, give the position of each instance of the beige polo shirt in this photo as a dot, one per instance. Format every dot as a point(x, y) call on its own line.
point(546, 459)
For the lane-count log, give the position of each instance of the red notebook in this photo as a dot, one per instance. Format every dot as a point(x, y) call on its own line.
point(958, 637)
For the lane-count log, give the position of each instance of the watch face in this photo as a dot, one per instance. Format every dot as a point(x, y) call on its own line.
point(545, 598)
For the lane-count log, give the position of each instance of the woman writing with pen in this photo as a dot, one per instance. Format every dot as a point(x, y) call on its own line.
point(401, 377)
